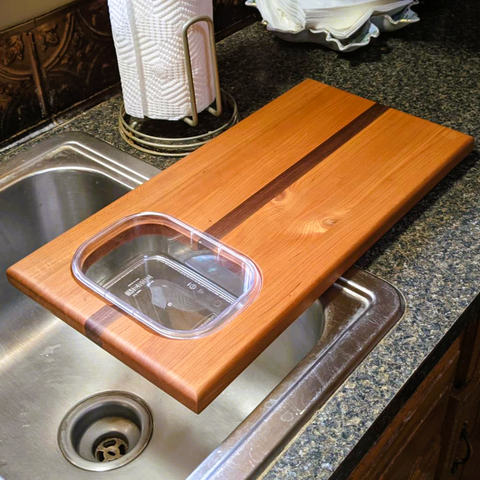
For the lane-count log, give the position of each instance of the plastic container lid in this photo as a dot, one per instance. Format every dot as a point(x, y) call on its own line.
point(180, 282)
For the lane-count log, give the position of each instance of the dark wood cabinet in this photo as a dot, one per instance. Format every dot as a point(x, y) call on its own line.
point(458, 431)
point(436, 434)
point(471, 469)
point(409, 448)
point(460, 459)
point(469, 361)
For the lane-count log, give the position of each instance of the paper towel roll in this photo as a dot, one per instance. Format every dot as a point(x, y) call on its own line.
point(151, 60)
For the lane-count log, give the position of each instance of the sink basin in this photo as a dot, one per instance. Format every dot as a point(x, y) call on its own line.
point(47, 368)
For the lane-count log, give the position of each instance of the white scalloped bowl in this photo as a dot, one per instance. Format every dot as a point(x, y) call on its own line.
point(385, 22)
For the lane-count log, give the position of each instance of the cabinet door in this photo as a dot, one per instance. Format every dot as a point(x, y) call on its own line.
point(469, 361)
point(418, 459)
point(409, 448)
point(471, 469)
point(461, 432)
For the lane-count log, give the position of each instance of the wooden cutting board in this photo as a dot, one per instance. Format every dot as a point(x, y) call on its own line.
point(303, 187)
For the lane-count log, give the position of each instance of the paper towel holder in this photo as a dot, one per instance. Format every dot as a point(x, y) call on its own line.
point(181, 146)
point(193, 122)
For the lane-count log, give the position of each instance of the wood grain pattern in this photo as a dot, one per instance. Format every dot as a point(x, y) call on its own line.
point(239, 214)
point(99, 322)
point(471, 468)
point(463, 409)
point(302, 237)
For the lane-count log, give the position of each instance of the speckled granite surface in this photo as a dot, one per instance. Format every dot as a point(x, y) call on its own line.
point(431, 70)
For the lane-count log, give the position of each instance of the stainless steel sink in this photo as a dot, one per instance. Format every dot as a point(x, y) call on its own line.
point(46, 368)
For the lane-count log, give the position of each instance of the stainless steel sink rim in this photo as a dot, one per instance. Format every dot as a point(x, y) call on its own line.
point(292, 403)
point(68, 443)
point(102, 158)
point(273, 421)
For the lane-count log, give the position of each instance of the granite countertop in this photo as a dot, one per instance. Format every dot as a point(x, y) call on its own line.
point(432, 255)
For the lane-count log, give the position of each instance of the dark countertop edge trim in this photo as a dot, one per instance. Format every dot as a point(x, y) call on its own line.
point(373, 433)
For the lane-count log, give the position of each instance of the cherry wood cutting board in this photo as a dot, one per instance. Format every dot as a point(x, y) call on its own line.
point(303, 187)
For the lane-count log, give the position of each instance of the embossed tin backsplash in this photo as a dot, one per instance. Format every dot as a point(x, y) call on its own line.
point(63, 58)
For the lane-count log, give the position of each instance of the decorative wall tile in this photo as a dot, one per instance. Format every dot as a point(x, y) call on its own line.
point(65, 57)
point(76, 55)
point(21, 103)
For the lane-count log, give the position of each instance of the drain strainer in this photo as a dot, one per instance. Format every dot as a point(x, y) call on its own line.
point(105, 431)
point(110, 449)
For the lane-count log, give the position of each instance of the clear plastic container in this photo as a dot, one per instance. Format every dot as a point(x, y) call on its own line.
point(178, 281)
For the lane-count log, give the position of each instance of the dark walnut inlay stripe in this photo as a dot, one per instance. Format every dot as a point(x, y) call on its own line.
point(100, 321)
point(246, 209)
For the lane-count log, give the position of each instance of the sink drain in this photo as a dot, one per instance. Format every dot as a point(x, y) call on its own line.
point(110, 449)
point(105, 431)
